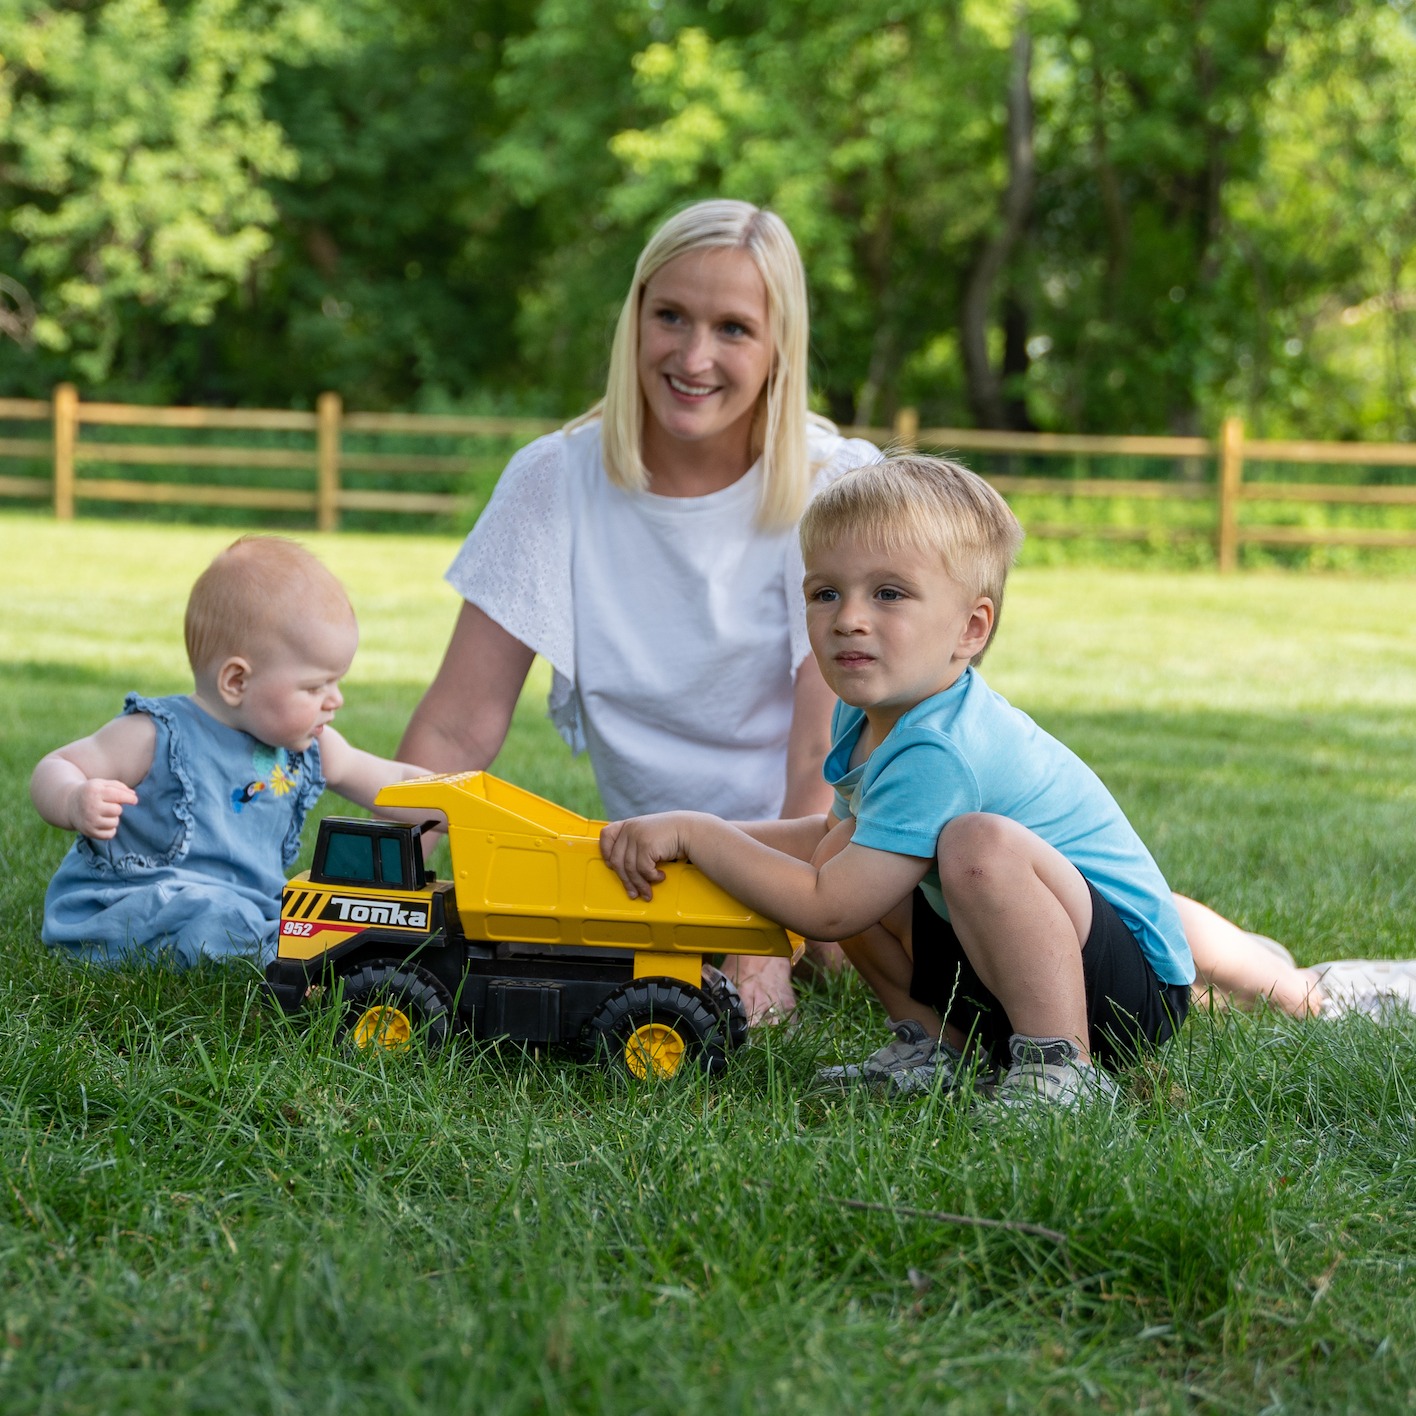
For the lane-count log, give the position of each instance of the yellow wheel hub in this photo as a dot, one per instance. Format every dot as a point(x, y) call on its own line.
point(385, 1027)
point(655, 1050)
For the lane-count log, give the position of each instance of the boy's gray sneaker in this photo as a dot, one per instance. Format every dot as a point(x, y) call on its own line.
point(1049, 1070)
point(914, 1062)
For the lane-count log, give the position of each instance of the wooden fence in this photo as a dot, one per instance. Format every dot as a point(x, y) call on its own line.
point(79, 467)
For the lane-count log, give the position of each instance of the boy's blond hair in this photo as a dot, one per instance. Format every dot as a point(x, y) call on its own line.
point(931, 504)
point(779, 429)
point(258, 589)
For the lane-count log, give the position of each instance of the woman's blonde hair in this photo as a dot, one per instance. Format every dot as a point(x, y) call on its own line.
point(258, 589)
point(929, 503)
point(779, 428)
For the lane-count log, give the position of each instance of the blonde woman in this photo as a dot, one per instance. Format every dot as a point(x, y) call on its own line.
point(648, 551)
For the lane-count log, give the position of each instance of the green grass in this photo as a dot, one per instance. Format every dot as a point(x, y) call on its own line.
point(206, 1208)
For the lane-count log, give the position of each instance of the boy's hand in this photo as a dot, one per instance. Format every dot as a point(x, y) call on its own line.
point(634, 848)
point(96, 805)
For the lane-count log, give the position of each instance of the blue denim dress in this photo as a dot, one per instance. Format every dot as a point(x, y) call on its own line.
point(196, 869)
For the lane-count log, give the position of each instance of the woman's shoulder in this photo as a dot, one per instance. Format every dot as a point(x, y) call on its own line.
point(541, 457)
point(568, 453)
point(831, 453)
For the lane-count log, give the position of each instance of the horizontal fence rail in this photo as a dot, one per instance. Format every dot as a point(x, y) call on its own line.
point(323, 463)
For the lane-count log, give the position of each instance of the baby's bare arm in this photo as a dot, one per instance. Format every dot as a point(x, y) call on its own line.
point(358, 776)
point(85, 785)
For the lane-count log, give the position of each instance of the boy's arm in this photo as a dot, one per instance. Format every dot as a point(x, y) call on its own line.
point(85, 785)
point(358, 775)
point(798, 838)
point(850, 892)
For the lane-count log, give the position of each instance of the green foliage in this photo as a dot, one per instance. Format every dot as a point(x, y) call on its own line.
point(1200, 207)
point(1158, 112)
point(141, 158)
point(1322, 234)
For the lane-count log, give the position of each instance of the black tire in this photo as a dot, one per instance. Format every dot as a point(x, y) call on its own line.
point(387, 1005)
point(723, 994)
point(653, 1027)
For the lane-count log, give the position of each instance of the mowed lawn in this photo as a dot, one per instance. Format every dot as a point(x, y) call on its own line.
point(206, 1208)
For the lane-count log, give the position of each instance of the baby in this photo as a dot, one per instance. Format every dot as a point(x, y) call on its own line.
point(189, 808)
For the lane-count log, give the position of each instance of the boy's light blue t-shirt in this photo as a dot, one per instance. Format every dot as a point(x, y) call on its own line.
point(968, 749)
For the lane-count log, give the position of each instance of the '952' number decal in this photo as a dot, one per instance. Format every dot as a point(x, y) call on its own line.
point(296, 926)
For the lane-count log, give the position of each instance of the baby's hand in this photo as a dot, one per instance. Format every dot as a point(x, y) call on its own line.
point(96, 805)
point(634, 848)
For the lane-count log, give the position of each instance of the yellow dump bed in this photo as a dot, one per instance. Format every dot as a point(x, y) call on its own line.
point(525, 869)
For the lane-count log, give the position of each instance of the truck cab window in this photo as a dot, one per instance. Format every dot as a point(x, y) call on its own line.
point(350, 856)
point(391, 862)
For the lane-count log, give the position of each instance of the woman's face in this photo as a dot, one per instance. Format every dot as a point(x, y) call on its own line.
point(705, 351)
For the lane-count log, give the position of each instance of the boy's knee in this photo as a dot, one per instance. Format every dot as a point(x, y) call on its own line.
point(974, 851)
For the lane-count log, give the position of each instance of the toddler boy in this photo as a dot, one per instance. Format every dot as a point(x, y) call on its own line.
point(1046, 938)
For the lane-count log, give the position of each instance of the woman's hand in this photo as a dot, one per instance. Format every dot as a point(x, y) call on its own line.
point(634, 848)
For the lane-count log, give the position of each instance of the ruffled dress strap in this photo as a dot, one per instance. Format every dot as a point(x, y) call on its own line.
point(310, 780)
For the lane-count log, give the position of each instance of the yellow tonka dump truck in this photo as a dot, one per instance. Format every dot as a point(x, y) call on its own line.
point(533, 939)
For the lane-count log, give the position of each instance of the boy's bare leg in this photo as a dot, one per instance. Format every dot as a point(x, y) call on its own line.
point(1233, 970)
point(1022, 912)
point(882, 956)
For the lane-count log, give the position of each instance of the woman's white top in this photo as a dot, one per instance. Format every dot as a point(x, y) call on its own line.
point(674, 625)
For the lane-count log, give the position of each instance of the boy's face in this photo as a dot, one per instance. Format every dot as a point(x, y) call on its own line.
point(890, 628)
point(291, 688)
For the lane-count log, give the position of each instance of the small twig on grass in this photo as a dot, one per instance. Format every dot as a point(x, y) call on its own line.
point(1020, 1226)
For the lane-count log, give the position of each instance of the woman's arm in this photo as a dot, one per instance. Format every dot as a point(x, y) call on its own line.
point(799, 837)
point(85, 785)
point(462, 721)
point(808, 742)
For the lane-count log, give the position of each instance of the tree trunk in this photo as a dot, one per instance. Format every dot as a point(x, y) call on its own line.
point(984, 385)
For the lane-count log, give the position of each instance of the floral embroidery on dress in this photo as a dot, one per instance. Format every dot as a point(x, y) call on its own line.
point(279, 775)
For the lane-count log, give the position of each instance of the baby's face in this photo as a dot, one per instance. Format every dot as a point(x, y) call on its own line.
point(294, 684)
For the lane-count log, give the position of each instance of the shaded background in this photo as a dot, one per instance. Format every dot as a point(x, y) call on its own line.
point(1121, 216)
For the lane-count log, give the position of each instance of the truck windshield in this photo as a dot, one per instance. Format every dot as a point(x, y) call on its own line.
point(350, 856)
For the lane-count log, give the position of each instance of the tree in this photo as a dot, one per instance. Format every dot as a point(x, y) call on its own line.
point(833, 115)
point(136, 157)
point(1157, 113)
point(1318, 270)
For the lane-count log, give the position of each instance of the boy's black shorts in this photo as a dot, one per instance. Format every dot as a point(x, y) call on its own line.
point(1128, 1008)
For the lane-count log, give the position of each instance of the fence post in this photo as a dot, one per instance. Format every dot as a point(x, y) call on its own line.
point(1231, 479)
point(66, 433)
point(905, 433)
point(329, 410)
